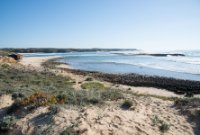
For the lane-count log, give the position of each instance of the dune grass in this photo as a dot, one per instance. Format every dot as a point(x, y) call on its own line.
point(161, 124)
point(89, 79)
point(188, 102)
point(18, 80)
point(32, 89)
point(93, 86)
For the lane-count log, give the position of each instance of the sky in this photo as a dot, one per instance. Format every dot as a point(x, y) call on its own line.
point(142, 24)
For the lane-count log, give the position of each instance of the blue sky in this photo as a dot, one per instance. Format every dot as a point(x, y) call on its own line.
point(143, 24)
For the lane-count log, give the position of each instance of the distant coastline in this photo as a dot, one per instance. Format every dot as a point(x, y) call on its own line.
point(61, 50)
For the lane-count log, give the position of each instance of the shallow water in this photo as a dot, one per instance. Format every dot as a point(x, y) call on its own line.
point(181, 67)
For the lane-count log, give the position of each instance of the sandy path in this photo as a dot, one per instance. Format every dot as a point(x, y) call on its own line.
point(5, 102)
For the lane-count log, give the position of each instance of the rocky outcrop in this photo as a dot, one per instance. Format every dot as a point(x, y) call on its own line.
point(9, 57)
point(17, 57)
point(152, 54)
point(163, 54)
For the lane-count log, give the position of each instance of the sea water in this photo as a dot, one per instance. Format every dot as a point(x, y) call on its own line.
point(125, 62)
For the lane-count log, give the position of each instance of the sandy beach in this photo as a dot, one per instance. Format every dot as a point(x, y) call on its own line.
point(35, 61)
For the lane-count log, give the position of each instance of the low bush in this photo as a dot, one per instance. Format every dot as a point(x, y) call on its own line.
point(68, 131)
point(7, 123)
point(61, 98)
point(54, 109)
point(5, 66)
point(93, 86)
point(187, 102)
point(31, 102)
point(155, 120)
point(84, 97)
point(89, 79)
point(19, 80)
point(39, 99)
point(112, 94)
point(164, 127)
point(16, 95)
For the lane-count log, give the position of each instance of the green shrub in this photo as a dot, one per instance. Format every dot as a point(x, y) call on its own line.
point(37, 132)
point(7, 123)
point(89, 79)
point(16, 95)
point(5, 66)
point(39, 99)
point(61, 98)
point(17, 80)
point(95, 100)
point(155, 120)
point(68, 131)
point(164, 127)
point(54, 109)
point(31, 102)
point(196, 114)
point(187, 102)
point(84, 97)
point(111, 94)
point(93, 86)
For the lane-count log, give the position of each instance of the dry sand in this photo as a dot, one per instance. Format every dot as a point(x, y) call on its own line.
point(109, 119)
point(5, 102)
point(36, 61)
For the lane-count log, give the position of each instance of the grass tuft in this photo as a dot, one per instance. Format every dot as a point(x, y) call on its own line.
point(19, 80)
point(187, 102)
point(93, 86)
point(89, 79)
point(163, 126)
point(7, 123)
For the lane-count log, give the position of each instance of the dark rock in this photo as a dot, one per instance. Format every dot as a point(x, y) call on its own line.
point(16, 56)
point(152, 54)
point(162, 54)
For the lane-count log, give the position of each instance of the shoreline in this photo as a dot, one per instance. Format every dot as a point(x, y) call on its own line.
point(178, 86)
point(80, 76)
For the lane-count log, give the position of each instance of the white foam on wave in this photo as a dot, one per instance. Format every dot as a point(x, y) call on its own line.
point(187, 60)
point(175, 67)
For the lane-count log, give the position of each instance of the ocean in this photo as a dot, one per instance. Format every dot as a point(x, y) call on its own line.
point(136, 61)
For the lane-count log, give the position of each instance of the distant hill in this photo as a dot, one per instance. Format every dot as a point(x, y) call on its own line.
point(59, 50)
point(8, 54)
